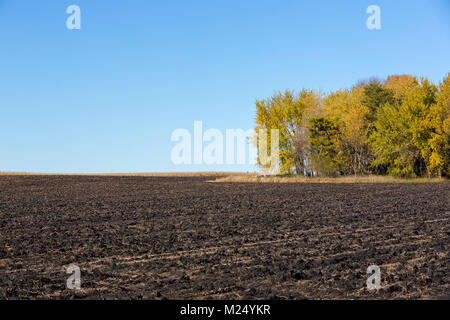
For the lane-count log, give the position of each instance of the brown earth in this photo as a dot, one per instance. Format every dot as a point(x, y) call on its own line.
point(186, 238)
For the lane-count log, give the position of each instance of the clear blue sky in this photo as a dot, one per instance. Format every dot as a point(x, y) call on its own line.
point(106, 98)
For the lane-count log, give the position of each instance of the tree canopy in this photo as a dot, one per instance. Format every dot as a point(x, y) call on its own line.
point(400, 127)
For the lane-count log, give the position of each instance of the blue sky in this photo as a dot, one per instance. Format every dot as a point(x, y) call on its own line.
point(106, 98)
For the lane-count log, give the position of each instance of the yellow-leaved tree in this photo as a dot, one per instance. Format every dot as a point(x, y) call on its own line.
point(288, 113)
point(400, 126)
point(345, 107)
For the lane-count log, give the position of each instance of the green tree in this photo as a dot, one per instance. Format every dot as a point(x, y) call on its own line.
point(375, 96)
point(323, 134)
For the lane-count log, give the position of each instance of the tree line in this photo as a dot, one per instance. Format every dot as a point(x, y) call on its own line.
point(399, 126)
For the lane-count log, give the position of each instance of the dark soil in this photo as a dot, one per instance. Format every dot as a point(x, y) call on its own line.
point(185, 238)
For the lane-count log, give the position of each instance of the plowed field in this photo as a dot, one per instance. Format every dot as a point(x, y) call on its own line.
point(186, 238)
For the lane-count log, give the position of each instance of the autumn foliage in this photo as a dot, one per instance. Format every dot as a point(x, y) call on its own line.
point(399, 126)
